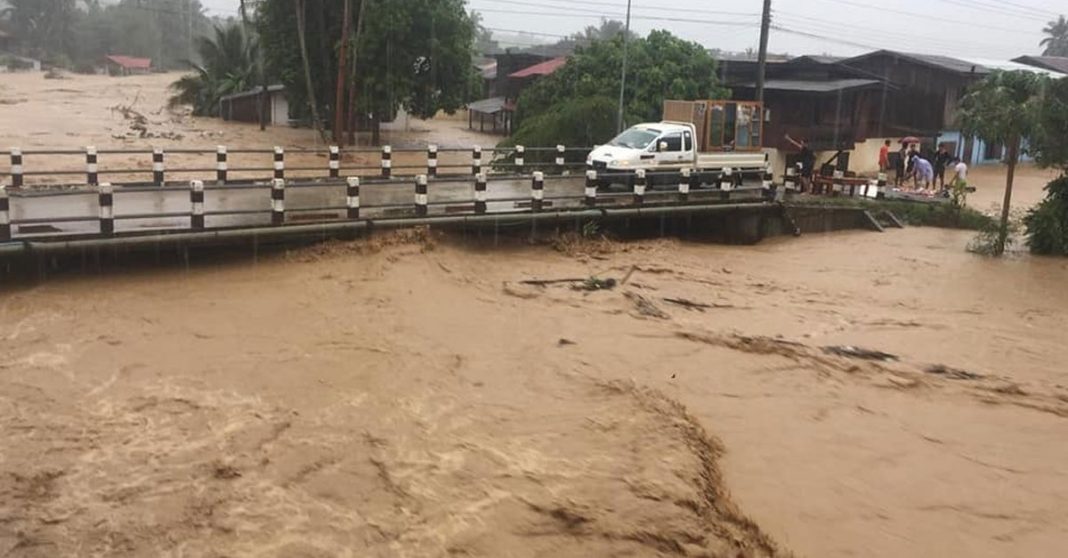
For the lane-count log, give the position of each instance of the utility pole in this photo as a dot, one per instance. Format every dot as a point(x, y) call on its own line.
point(339, 99)
point(762, 56)
point(623, 75)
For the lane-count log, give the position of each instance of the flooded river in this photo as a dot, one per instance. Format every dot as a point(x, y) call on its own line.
point(833, 395)
point(410, 396)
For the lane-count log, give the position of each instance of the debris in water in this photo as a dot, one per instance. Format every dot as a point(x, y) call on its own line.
point(564, 341)
point(595, 284)
point(645, 307)
point(857, 352)
point(543, 282)
point(951, 373)
point(689, 304)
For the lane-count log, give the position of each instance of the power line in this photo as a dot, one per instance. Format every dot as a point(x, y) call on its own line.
point(647, 18)
point(570, 3)
point(891, 36)
point(994, 9)
point(882, 9)
point(1040, 11)
point(778, 27)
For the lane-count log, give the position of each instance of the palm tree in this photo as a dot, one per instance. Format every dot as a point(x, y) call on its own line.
point(227, 65)
point(1056, 44)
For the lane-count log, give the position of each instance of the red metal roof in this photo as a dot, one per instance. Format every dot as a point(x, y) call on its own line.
point(131, 62)
point(542, 69)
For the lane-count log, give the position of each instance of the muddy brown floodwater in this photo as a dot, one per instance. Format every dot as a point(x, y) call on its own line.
point(409, 396)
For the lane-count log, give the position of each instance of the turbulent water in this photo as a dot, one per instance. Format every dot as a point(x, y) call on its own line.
point(852, 394)
point(414, 397)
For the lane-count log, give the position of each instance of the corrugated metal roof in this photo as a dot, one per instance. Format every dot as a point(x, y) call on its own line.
point(814, 86)
point(131, 62)
point(946, 63)
point(488, 70)
point(1055, 63)
point(542, 69)
point(819, 59)
point(1007, 66)
point(255, 91)
point(488, 106)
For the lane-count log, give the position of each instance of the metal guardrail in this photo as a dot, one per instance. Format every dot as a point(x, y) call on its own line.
point(689, 187)
point(500, 158)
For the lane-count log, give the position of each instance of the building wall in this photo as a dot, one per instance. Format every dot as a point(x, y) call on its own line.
point(279, 109)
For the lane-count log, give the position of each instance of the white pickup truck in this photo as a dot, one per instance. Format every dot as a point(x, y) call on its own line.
point(664, 148)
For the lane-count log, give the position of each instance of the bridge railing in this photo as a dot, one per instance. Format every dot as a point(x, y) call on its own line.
point(223, 164)
point(95, 209)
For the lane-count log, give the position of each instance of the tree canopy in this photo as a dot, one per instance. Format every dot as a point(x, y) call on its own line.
point(1056, 41)
point(1049, 142)
point(660, 66)
point(78, 34)
point(415, 54)
point(1004, 108)
point(227, 66)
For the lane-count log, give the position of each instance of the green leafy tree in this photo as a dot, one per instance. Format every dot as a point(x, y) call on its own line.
point(660, 66)
point(43, 27)
point(227, 66)
point(413, 54)
point(1004, 108)
point(575, 122)
point(1047, 223)
point(1056, 41)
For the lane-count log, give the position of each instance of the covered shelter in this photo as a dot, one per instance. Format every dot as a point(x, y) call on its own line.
point(495, 109)
point(244, 106)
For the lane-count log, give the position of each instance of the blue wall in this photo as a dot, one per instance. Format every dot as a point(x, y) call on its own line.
point(978, 149)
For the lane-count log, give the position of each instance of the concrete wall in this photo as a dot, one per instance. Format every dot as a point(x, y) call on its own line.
point(863, 159)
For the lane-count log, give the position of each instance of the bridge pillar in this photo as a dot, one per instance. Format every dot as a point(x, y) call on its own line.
point(352, 197)
point(421, 195)
point(278, 201)
point(537, 191)
point(196, 204)
point(480, 193)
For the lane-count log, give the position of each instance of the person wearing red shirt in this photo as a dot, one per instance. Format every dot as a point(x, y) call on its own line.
point(884, 157)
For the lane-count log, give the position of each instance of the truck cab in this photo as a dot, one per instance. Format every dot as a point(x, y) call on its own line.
point(708, 137)
point(650, 146)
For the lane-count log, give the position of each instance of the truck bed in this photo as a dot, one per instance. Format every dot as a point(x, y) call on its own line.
point(734, 160)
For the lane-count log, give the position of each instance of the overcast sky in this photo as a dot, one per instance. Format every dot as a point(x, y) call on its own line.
point(995, 29)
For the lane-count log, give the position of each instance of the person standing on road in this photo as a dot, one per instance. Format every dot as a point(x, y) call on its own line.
point(901, 167)
point(941, 160)
point(884, 157)
point(958, 184)
point(808, 161)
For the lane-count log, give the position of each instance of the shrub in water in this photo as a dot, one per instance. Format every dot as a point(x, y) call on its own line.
point(1047, 223)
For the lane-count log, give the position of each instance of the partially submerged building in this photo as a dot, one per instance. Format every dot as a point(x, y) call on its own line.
point(122, 65)
point(245, 106)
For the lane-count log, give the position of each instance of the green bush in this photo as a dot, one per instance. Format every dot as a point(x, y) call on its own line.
point(1047, 223)
point(580, 122)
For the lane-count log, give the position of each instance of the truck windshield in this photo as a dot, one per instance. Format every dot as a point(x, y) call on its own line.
point(635, 138)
